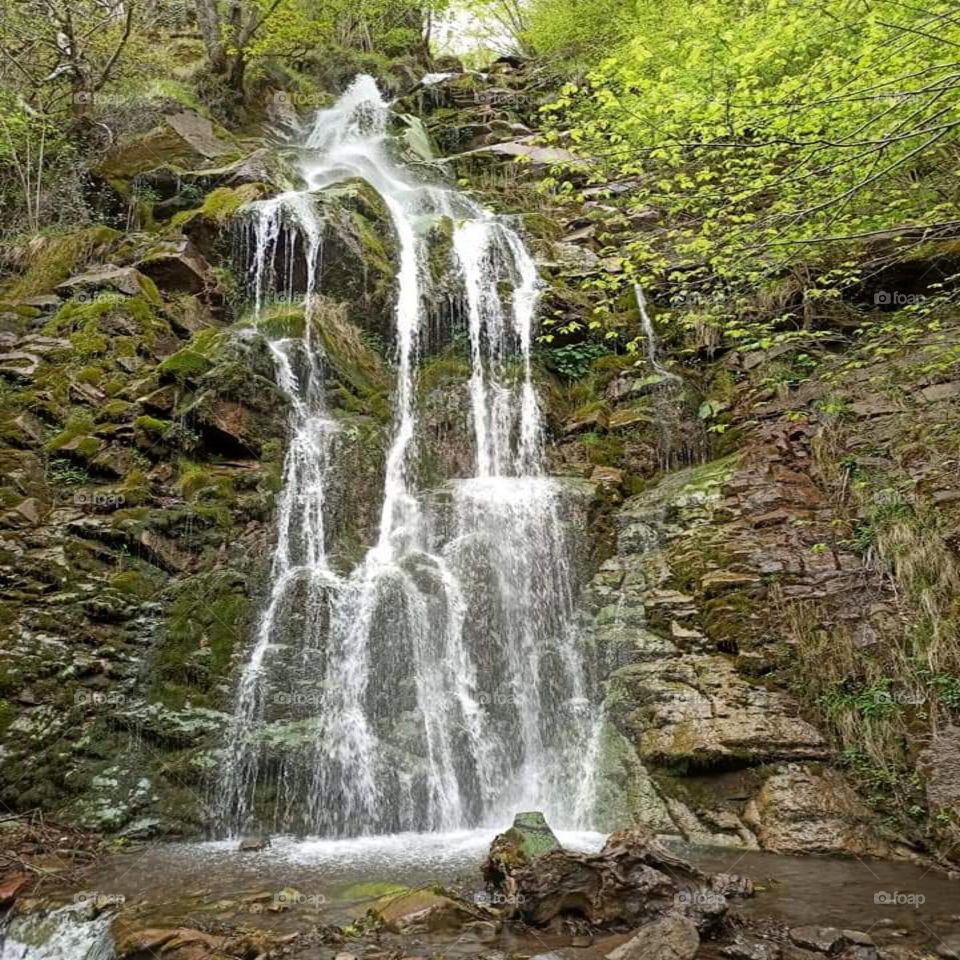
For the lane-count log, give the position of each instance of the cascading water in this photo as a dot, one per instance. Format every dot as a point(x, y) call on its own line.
point(439, 684)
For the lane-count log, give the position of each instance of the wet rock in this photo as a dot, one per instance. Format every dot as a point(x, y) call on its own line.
point(752, 948)
point(180, 943)
point(531, 834)
point(423, 911)
point(670, 938)
point(832, 940)
point(479, 931)
point(125, 280)
point(253, 844)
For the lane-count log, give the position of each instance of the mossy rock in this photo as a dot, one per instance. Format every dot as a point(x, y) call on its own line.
point(196, 359)
point(52, 258)
point(372, 890)
point(531, 834)
point(207, 619)
point(223, 204)
point(184, 140)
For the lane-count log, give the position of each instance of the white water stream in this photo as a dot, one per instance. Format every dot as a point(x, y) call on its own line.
point(439, 684)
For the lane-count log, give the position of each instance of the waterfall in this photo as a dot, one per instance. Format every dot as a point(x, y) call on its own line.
point(651, 337)
point(439, 684)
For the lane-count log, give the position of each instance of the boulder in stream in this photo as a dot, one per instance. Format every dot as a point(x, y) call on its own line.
point(672, 937)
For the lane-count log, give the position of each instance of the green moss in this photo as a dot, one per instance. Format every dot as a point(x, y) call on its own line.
point(133, 583)
point(76, 426)
point(52, 259)
point(281, 321)
point(8, 713)
point(441, 371)
point(207, 619)
point(223, 204)
point(193, 361)
point(152, 425)
point(91, 324)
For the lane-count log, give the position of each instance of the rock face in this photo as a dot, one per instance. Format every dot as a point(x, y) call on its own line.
point(680, 620)
point(141, 444)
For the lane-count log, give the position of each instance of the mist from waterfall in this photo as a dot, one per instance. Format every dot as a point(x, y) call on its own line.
point(439, 684)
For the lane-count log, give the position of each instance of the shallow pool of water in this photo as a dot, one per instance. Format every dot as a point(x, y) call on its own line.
point(335, 881)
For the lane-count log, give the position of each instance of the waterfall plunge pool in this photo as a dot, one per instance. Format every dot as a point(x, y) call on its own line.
point(336, 881)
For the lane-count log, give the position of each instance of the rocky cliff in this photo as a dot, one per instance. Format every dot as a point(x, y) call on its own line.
point(742, 587)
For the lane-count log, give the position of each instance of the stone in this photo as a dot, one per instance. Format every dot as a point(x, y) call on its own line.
point(628, 417)
point(177, 266)
point(253, 844)
point(11, 886)
point(719, 581)
point(698, 712)
point(609, 477)
point(752, 948)
point(125, 280)
point(180, 943)
point(19, 365)
point(875, 407)
point(832, 940)
point(421, 911)
point(532, 834)
point(594, 420)
point(802, 811)
point(941, 391)
point(669, 938)
point(479, 931)
point(198, 132)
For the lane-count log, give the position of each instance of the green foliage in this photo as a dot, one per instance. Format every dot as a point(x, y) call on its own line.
point(574, 360)
point(771, 149)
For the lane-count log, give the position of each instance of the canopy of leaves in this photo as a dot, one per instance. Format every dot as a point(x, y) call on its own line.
point(770, 138)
